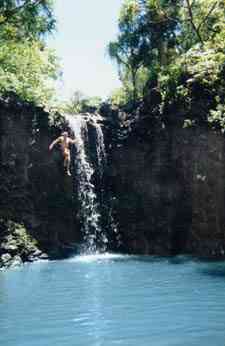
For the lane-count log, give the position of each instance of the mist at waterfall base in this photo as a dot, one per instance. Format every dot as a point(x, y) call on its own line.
point(106, 300)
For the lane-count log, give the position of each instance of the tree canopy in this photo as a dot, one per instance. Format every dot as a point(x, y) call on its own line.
point(160, 38)
point(29, 19)
point(27, 66)
point(80, 103)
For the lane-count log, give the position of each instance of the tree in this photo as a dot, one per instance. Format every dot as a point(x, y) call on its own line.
point(80, 103)
point(160, 23)
point(26, 18)
point(153, 34)
point(28, 70)
point(27, 67)
point(147, 29)
point(129, 50)
point(202, 20)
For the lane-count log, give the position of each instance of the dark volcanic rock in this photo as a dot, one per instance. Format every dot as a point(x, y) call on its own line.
point(16, 245)
point(170, 192)
point(5, 260)
point(33, 187)
point(163, 186)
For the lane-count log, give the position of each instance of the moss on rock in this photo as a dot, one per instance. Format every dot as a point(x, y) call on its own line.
point(17, 245)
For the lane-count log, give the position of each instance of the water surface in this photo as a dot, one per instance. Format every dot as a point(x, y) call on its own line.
point(113, 300)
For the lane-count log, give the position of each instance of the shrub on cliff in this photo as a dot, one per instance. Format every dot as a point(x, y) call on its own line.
point(196, 76)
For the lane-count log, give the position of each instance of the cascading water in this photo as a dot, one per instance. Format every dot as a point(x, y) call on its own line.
point(100, 146)
point(90, 216)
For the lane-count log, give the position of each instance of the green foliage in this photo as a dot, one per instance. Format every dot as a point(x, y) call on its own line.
point(217, 116)
point(17, 235)
point(124, 95)
point(202, 66)
point(176, 46)
point(119, 97)
point(79, 103)
point(145, 33)
point(29, 19)
point(27, 67)
point(130, 50)
point(201, 21)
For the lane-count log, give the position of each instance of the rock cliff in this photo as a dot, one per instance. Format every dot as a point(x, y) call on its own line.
point(168, 184)
point(34, 190)
point(163, 186)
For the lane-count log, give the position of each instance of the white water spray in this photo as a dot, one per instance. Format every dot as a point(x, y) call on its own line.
point(94, 238)
point(100, 146)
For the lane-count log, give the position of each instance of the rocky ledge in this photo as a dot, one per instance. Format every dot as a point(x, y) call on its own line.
point(17, 246)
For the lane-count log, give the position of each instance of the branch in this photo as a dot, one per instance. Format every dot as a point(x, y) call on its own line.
point(10, 13)
point(207, 16)
point(193, 3)
point(120, 60)
point(189, 7)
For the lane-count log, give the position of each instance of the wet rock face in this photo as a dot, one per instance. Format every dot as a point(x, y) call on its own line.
point(169, 192)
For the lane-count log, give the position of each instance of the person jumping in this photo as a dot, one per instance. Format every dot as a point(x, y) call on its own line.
point(64, 140)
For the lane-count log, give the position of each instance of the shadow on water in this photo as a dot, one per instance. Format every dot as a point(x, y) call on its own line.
point(181, 259)
point(213, 269)
point(203, 267)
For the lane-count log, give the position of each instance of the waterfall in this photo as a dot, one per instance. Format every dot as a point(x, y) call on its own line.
point(95, 240)
point(100, 146)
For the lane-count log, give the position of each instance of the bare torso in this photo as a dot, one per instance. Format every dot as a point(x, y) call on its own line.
point(64, 144)
point(64, 141)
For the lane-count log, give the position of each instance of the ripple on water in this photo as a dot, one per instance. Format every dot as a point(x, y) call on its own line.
point(99, 257)
point(112, 299)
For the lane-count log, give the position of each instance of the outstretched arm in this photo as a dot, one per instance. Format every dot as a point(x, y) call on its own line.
point(73, 141)
point(57, 140)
